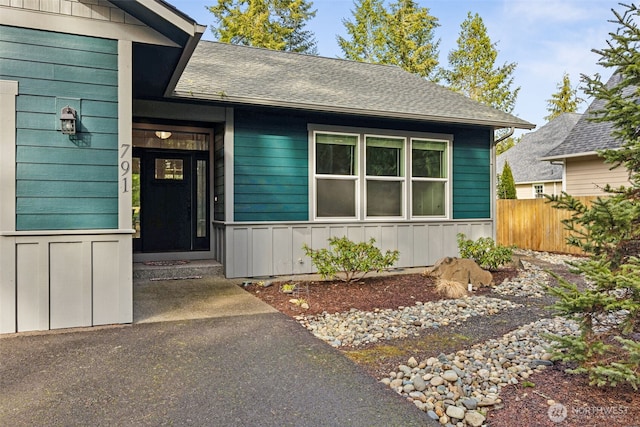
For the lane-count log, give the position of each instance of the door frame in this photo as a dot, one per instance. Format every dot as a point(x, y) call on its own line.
point(187, 255)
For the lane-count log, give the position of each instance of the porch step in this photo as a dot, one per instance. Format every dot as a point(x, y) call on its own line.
point(168, 270)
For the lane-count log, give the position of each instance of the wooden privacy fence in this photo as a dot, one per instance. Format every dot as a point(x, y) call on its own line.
point(534, 224)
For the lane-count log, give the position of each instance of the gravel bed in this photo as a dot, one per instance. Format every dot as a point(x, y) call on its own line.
point(558, 259)
point(530, 282)
point(455, 388)
point(354, 328)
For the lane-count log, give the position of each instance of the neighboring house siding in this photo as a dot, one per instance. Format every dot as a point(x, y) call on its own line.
point(270, 167)
point(586, 176)
point(63, 182)
point(526, 191)
point(471, 175)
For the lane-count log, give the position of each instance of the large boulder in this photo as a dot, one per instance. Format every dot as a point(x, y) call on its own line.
point(460, 270)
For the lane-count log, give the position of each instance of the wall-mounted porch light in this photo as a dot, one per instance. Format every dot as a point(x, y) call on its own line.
point(68, 121)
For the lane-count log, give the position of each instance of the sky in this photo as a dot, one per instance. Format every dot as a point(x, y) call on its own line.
point(546, 38)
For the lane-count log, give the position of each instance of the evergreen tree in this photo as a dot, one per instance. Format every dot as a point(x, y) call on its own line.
point(410, 40)
point(473, 71)
point(367, 31)
point(271, 24)
point(402, 36)
point(608, 310)
point(566, 100)
point(506, 183)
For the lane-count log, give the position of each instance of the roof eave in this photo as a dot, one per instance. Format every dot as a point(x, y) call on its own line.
point(538, 181)
point(187, 51)
point(171, 14)
point(496, 124)
point(567, 156)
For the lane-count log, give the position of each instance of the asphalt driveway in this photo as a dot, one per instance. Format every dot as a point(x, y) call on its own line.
point(249, 370)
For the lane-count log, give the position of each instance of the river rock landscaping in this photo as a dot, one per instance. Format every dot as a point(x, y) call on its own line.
point(479, 360)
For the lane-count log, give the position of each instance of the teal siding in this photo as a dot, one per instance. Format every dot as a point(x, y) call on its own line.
point(270, 168)
point(472, 175)
point(63, 182)
point(271, 164)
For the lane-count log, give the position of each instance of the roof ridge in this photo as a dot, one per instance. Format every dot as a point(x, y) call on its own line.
point(306, 55)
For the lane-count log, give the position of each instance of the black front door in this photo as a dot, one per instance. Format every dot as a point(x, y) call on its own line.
point(166, 196)
point(173, 213)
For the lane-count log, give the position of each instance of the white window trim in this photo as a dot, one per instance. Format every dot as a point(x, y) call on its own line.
point(314, 176)
point(402, 179)
point(535, 193)
point(448, 180)
point(361, 177)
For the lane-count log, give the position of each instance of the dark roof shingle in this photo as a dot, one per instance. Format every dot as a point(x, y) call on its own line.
point(524, 157)
point(247, 75)
point(587, 136)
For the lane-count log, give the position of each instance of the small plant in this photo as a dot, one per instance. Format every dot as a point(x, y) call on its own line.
point(300, 302)
point(352, 260)
point(527, 384)
point(287, 288)
point(485, 251)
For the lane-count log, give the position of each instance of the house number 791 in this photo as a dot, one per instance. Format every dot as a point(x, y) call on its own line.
point(125, 167)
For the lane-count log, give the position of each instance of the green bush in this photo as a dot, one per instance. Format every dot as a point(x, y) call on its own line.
point(352, 260)
point(485, 251)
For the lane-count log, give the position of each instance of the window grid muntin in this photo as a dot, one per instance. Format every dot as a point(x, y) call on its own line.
point(538, 191)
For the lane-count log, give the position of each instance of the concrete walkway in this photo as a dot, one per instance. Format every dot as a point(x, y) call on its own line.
point(165, 300)
point(233, 361)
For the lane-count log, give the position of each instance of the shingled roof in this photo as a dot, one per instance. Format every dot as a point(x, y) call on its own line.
point(587, 137)
point(235, 74)
point(524, 157)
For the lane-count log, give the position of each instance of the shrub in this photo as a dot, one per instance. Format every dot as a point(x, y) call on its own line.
point(352, 260)
point(506, 183)
point(485, 251)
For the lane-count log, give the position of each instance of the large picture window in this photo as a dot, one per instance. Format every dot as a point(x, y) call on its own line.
point(361, 175)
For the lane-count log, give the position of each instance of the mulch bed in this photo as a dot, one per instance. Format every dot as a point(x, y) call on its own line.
point(368, 294)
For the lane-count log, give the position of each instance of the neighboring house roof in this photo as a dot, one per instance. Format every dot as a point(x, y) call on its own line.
point(587, 137)
point(524, 157)
point(252, 76)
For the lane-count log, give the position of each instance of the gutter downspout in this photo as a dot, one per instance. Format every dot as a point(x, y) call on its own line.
point(511, 131)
